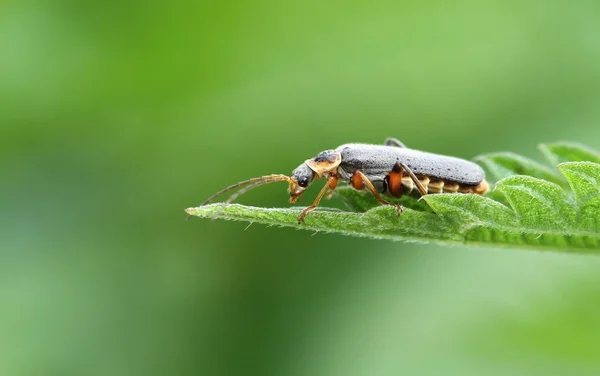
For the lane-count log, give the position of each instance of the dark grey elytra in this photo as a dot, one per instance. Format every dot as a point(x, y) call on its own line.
point(378, 160)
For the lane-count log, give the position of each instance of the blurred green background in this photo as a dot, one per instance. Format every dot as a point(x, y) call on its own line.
point(117, 115)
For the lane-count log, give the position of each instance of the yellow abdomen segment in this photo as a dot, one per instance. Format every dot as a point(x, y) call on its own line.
point(434, 185)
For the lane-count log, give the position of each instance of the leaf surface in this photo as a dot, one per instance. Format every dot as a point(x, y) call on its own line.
point(531, 209)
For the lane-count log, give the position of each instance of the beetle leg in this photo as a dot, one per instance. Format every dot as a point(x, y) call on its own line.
point(359, 177)
point(391, 141)
point(394, 181)
point(413, 177)
point(332, 182)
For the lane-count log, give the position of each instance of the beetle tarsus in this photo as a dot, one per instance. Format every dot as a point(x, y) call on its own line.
point(399, 209)
point(304, 212)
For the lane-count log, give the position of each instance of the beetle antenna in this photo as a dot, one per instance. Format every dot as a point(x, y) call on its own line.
point(237, 194)
point(255, 182)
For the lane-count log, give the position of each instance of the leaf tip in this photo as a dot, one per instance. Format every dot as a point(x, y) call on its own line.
point(190, 211)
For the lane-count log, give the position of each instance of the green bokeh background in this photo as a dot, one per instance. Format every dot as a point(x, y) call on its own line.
point(117, 115)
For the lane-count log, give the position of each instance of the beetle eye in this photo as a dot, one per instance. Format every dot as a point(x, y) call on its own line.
point(303, 182)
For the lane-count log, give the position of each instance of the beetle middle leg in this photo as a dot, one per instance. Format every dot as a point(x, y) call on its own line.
point(360, 181)
point(332, 182)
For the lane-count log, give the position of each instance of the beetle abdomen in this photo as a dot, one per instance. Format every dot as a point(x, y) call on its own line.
point(433, 186)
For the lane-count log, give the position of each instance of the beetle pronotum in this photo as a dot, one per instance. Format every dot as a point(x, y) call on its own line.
point(390, 169)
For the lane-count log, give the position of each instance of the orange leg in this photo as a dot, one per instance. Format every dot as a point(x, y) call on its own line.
point(394, 180)
point(332, 182)
point(360, 180)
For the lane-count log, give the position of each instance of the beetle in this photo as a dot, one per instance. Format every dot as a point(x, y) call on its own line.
point(390, 169)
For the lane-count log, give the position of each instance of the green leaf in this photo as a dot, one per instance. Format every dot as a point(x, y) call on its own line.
point(589, 216)
point(502, 165)
point(569, 152)
point(379, 222)
point(469, 210)
point(535, 210)
point(584, 179)
point(359, 201)
point(538, 204)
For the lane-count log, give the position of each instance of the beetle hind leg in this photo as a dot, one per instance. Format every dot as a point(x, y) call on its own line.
point(391, 141)
point(395, 180)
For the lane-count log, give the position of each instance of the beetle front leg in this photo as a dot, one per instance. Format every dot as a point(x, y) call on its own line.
point(332, 182)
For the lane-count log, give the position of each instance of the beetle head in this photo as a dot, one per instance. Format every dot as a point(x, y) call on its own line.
point(323, 164)
point(301, 179)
